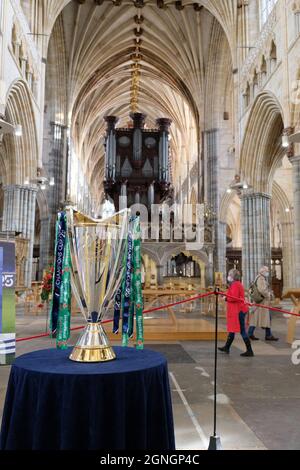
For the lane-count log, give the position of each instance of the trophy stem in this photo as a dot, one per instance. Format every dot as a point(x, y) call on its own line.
point(92, 345)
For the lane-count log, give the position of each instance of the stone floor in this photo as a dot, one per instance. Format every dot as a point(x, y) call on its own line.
point(258, 398)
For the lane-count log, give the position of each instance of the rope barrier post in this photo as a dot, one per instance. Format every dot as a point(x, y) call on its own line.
point(215, 441)
point(47, 317)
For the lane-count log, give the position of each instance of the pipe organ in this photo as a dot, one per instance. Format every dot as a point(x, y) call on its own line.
point(137, 166)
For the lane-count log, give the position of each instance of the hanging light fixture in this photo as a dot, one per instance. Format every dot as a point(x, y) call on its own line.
point(285, 141)
point(40, 181)
point(18, 130)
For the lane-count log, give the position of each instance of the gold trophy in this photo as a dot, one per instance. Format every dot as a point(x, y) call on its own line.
point(97, 250)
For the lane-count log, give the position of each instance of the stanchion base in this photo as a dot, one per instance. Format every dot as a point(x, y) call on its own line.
point(215, 443)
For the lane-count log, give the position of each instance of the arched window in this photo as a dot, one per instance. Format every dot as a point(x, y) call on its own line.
point(266, 6)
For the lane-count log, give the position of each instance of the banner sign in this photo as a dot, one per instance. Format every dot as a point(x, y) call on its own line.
point(7, 301)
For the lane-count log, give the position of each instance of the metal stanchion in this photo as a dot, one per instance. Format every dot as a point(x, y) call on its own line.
point(47, 317)
point(215, 441)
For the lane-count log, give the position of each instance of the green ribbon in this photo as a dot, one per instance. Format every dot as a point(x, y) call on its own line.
point(137, 284)
point(64, 315)
point(136, 297)
point(64, 312)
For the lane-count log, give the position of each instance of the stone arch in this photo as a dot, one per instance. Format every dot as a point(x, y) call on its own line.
point(287, 235)
point(200, 258)
point(226, 200)
point(262, 150)
point(152, 253)
point(21, 152)
point(230, 214)
point(173, 251)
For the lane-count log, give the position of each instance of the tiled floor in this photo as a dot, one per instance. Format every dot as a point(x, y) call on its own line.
point(258, 398)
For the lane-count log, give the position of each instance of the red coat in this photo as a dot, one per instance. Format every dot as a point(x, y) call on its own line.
point(234, 307)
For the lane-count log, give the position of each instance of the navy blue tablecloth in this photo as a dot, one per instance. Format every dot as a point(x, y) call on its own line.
point(54, 403)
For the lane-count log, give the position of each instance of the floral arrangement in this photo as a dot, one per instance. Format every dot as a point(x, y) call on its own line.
point(47, 284)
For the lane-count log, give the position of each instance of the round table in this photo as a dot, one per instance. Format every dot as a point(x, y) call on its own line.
point(54, 403)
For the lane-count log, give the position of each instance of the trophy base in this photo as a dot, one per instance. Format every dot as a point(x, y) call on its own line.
point(92, 346)
point(80, 354)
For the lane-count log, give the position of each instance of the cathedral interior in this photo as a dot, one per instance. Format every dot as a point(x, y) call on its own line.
point(113, 104)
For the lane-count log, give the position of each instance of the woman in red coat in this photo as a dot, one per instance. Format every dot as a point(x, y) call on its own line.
point(236, 313)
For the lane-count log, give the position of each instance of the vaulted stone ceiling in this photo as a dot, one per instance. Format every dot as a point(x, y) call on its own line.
point(100, 44)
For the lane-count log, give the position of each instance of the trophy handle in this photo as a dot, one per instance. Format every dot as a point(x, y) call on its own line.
point(77, 289)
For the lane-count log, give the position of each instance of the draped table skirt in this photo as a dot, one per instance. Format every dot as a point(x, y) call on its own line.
point(54, 403)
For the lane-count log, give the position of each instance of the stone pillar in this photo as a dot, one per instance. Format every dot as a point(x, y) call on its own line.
point(209, 269)
point(295, 161)
point(212, 169)
point(288, 255)
point(19, 216)
point(160, 275)
point(256, 242)
point(44, 245)
point(212, 190)
point(221, 249)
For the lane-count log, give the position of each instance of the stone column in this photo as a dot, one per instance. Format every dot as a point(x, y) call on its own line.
point(212, 169)
point(288, 255)
point(256, 241)
point(212, 189)
point(209, 269)
point(19, 216)
point(295, 161)
point(160, 275)
point(44, 245)
point(221, 248)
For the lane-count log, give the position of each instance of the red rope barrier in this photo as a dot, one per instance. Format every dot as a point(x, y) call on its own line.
point(155, 309)
point(274, 309)
point(191, 299)
point(163, 307)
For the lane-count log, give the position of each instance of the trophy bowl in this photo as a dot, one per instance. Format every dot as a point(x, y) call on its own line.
point(97, 250)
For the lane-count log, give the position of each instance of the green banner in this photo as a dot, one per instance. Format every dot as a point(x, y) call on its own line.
point(64, 315)
point(132, 298)
point(60, 317)
point(137, 284)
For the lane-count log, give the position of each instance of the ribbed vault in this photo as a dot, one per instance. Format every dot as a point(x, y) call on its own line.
point(174, 44)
